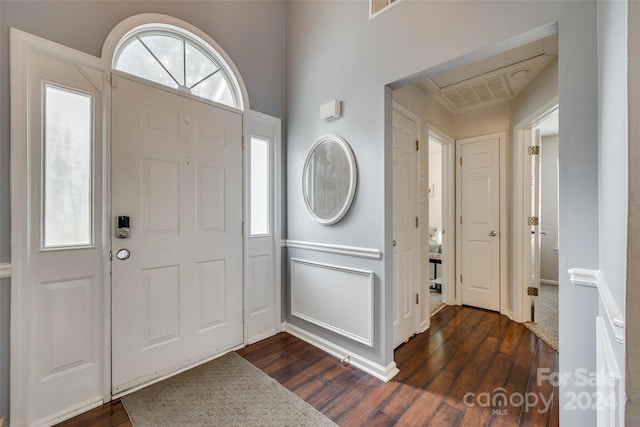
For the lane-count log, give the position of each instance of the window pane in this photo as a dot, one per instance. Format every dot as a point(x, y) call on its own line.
point(67, 168)
point(169, 51)
point(136, 59)
point(198, 65)
point(216, 89)
point(259, 190)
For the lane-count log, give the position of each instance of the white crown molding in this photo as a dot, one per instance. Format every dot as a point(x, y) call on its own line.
point(594, 279)
point(5, 270)
point(384, 373)
point(335, 249)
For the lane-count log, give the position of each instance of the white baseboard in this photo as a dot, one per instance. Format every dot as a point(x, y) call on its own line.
point(384, 373)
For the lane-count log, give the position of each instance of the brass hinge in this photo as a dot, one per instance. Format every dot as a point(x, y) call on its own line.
point(534, 150)
point(417, 299)
point(531, 291)
point(533, 220)
point(417, 145)
point(417, 222)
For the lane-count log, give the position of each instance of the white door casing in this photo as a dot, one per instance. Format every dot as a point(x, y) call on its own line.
point(406, 250)
point(535, 213)
point(177, 299)
point(262, 269)
point(479, 225)
point(57, 329)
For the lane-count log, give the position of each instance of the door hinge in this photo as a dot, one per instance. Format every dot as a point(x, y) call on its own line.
point(242, 142)
point(461, 278)
point(460, 220)
point(533, 220)
point(417, 299)
point(460, 161)
point(531, 291)
point(417, 222)
point(242, 229)
point(534, 150)
point(110, 255)
point(417, 145)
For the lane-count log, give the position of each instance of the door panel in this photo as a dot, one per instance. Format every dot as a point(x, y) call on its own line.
point(57, 244)
point(405, 232)
point(480, 212)
point(177, 173)
point(262, 270)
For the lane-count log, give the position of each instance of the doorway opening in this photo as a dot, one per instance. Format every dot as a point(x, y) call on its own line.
point(540, 141)
point(441, 197)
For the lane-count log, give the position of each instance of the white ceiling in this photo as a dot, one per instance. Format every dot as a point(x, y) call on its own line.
point(491, 81)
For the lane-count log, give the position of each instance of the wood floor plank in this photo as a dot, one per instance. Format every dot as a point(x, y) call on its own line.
point(426, 405)
point(465, 350)
point(445, 416)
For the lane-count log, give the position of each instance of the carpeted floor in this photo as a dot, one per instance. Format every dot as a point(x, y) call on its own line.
point(435, 302)
point(547, 326)
point(228, 391)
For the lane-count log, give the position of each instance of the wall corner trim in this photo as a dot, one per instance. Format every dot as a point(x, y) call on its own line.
point(5, 270)
point(595, 279)
point(335, 249)
point(384, 373)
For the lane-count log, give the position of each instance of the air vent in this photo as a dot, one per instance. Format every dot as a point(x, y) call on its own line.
point(488, 90)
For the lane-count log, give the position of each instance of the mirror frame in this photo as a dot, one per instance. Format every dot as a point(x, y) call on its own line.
point(353, 179)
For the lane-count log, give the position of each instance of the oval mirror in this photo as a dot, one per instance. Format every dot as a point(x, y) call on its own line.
point(329, 179)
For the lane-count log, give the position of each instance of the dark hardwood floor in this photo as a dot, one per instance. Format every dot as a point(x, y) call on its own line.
point(471, 368)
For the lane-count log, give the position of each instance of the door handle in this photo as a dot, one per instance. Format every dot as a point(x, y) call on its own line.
point(493, 233)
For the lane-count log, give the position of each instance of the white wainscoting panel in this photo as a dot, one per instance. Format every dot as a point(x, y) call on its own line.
point(336, 298)
point(594, 278)
point(609, 384)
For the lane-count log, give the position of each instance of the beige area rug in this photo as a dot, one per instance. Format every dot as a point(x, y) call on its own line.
point(228, 391)
point(547, 326)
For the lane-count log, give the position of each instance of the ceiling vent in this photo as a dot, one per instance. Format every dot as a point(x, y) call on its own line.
point(469, 94)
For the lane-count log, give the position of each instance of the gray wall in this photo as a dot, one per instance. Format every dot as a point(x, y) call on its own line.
point(612, 158)
point(335, 51)
point(633, 242)
point(549, 208)
point(251, 33)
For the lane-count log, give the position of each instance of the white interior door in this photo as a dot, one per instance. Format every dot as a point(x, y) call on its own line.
point(406, 274)
point(57, 364)
point(177, 173)
point(479, 209)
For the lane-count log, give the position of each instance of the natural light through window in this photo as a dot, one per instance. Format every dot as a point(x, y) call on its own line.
point(259, 190)
point(67, 168)
point(173, 59)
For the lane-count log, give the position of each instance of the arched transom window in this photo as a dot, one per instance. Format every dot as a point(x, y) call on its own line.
point(173, 57)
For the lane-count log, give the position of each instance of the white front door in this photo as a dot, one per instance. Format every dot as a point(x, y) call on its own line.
point(57, 364)
point(177, 175)
point(406, 258)
point(479, 210)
